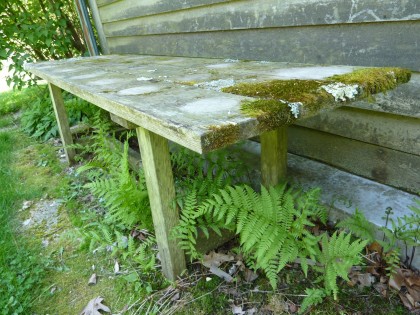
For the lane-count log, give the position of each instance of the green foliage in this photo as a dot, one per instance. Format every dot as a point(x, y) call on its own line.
point(21, 268)
point(338, 255)
point(13, 101)
point(21, 274)
point(314, 297)
point(37, 30)
point(124, 196)
point(359, 225)
point(403, 230)
point(274, 228)
point(39, 120)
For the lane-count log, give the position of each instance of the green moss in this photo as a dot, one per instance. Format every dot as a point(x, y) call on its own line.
point(221, 136)
point(269, 113)
point(374, 80)
point(272, 110)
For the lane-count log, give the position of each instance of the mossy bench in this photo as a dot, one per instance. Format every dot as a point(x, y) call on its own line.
point(204, 105)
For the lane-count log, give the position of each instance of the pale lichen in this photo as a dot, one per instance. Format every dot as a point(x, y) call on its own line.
point(342, 92)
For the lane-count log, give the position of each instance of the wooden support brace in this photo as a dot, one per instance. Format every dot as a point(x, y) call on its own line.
point(160, 185)
point(274, 156)
point(62, 121)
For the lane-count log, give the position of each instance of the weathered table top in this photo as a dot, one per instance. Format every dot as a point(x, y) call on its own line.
point(177, 98)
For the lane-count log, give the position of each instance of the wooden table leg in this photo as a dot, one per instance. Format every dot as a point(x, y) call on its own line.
point(160, 185)
point(62, 121)
point(274, 156)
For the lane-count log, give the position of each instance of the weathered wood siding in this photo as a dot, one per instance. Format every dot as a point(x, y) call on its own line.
point(357, 32)
point(377, 140)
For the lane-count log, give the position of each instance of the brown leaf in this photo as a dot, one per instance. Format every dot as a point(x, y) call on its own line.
point(413, 280)
point(397, 280)
point(250, 275)
point(216, 259)
point(375, 247)
point(365, 280)
point(381, 288)
point(405, 301)
point(94, 306)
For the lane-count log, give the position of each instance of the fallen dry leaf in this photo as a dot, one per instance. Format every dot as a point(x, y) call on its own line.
point(94, 306)
point(216, 259)
point(250, 276)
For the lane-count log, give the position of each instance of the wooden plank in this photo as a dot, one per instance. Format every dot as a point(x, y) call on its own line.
point(274, 156)
point(383, 165)
point(160, 186)
point(128, 9)
point(261, 14)
point(382, 44)
point(390, 131)
point(62, 121)
point(99, 28)
point(123, 122)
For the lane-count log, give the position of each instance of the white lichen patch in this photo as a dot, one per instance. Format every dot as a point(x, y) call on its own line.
point(139, 90)
point(105, 81)
point(295, 108)
point(342, 92)
point(213, 105)
point(87, 76)
point(144, 79)
point(309, 73)
point(216, 85)
point(220, 66)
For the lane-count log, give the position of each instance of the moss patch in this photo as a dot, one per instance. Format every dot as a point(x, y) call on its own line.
point(276, 97)
point(222, 136)
point(374, 80)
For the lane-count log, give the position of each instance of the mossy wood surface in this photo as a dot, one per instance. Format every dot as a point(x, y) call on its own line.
point(181, 99)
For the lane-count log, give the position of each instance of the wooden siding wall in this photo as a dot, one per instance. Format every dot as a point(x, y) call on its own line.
point(379, 141)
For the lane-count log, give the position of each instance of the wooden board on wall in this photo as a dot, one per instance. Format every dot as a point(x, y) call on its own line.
point(381, 164)
point(368, 44)
point(386, 130)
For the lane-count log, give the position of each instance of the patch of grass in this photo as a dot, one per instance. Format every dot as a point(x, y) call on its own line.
point(20, 265)
point(13, 101)
point(6, 121)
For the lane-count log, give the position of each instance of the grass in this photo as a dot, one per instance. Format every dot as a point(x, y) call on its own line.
point(13, 101)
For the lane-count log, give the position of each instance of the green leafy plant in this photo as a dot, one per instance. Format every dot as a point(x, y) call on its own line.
point(403, 231)
point(37, 30)
point(38, 120)
point(274, 230)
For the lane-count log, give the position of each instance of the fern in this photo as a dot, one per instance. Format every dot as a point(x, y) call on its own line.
point(358, 225)
point(124, 197)
point(338, 255)
point(272, 226)
point(314, 297)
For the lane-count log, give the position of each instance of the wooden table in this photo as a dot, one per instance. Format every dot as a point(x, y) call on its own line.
point(177, 99)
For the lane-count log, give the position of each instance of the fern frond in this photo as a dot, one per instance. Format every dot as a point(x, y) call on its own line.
point(314, 297)
point(358, 225)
